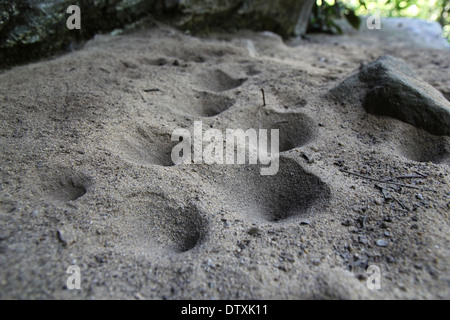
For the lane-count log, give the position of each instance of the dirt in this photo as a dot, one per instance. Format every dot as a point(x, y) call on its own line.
point(87, 177)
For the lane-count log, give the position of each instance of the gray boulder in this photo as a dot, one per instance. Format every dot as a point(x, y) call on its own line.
point(388, 86)
point(30, 29)
point(285, 17)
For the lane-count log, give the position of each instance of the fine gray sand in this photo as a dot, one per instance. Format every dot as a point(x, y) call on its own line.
point(87, 178)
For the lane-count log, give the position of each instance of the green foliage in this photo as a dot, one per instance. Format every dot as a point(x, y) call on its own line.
point(326, 12)
point(324, 15)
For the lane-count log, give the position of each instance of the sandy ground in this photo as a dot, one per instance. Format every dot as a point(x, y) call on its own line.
point(86, 175)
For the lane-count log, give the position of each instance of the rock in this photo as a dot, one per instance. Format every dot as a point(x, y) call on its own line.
point(391, 88)
point(254, 231)
point(308, 157)
point(285, 17)
point(66, 236)
point(362, 240)
point(305, 222)
point(391, 259)
point(30, 29)
point(381, 243)
point(347, 223)
point(378, 202)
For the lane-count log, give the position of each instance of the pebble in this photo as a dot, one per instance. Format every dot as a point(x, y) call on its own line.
point(316, 262)
point(254, 231)
point(66, 237)
point(347, 223)
point(308, 157)
point(362, 240)
point(381, 243)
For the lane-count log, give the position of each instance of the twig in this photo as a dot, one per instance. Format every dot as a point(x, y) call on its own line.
point(421, 174)
point(143, 99)
point(406, 177)
point(343, 255)
point(384, 181)
point(151, 90)
point(125, 64)
point(264, 97)
point(401, 204)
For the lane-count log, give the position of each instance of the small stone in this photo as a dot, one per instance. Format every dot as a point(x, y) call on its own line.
point(387, 196)
point(381, 243)
point(316, 262)
point(287, 257)
point(225, 223)
point(378, 202)
point(391, 259)
point(66, 236)
point(254, 231)
point(139, 296)
point(362, 240)
point(161, 61)
point(305, 221)
point(339, 163)
point(209, 263)
point(347, 223)
point(361, 277)
point(308, 157)
point(282, 268)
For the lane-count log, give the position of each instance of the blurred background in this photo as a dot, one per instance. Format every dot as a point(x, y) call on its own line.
point(31, 29)
point(430, 10)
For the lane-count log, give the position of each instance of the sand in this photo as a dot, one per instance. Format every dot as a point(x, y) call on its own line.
point(87, 178)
